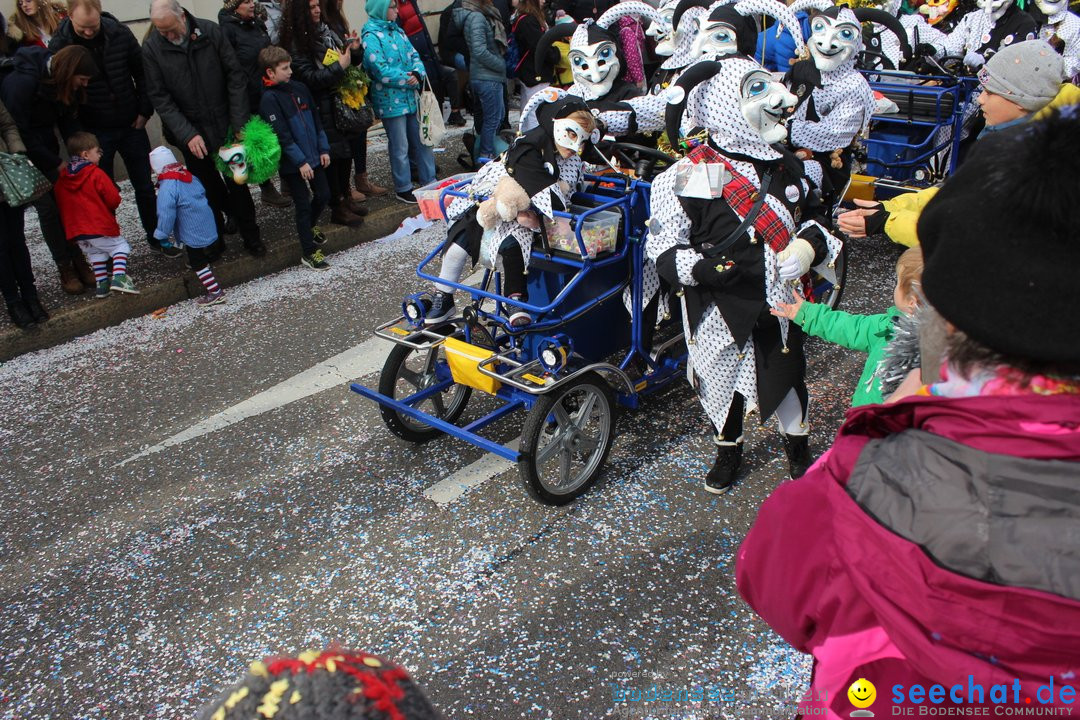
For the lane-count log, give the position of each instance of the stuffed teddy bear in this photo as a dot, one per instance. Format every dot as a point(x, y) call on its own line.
point(505, 203)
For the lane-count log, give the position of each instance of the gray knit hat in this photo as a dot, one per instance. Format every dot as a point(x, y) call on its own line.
point(1028, 73)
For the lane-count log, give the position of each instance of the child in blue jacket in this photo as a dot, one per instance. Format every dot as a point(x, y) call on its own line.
point(184, 214)
point(289, 108)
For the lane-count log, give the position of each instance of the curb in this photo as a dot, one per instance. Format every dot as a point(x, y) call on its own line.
point(70, 322)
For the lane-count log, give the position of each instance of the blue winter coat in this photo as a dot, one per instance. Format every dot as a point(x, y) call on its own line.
point(389, 57)
point(290, 110)
point(776, 52)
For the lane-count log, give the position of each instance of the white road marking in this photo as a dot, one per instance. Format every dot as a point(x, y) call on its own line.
point(359, 360)
point(367, 357)
point(454, 486)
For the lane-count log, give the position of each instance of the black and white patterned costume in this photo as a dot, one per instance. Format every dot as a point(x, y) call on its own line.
point(839, 108)
point(596, 56)
point(548, 177)
point(1061, 23)
point(979, 34)
point(738, 19)
point(735, 345)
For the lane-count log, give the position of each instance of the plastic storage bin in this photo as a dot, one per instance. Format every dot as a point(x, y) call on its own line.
point(599, 232)
point(427, 197)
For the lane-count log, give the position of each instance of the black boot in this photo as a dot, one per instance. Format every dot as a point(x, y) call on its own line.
point(797, 448)
point(20, 315)
point(722, 476)
point(36, 310)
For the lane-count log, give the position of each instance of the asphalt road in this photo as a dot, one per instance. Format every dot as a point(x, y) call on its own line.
point(186, 494)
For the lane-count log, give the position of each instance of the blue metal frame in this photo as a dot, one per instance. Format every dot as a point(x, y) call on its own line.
point(631, 199)
point(949, 101)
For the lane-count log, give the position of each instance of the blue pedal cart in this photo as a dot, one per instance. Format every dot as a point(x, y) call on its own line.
point(583, 358)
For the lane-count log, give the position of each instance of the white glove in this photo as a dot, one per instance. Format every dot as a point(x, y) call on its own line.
point(974, 60)
point(794, 260)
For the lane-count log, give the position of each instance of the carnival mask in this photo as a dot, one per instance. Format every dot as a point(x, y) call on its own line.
point(569, 134)
point(235, 156)
point(996, 8)
point(595, 67)
point(663, 33)
point(1050, 8)
point(714, 38)
point(833, 42)
point(937, 10)
point(766, 104)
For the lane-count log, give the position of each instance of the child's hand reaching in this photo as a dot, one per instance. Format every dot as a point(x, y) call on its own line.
point(788, 310)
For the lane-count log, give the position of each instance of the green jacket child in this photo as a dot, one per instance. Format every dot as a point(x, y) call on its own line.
point(865, 333)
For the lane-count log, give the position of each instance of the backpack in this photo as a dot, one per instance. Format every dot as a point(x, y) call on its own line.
point(514, 56)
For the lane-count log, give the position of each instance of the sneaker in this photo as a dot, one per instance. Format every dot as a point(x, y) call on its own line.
point(519, 318)
point(210, 299)
point(122, 283)
point(455, 119)
point(440, 309)
point(406, 197)
point(318, 237)
point(169, 250)
point(721, 477)
point(315, 261)
point(102, 289)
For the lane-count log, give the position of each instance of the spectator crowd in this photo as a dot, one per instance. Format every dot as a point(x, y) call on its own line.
point(74, 70)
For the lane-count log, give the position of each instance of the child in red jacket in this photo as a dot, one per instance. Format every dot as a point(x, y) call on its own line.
point(88, 199)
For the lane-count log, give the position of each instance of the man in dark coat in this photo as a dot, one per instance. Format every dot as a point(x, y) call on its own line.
point(117, 105)
point(201, 93)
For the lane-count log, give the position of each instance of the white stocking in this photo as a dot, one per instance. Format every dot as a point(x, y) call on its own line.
point(453, 265)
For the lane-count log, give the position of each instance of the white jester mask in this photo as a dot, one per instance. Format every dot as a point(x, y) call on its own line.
point(569, 134)
point(765, 103)
point(235, 156)
point(833, 42)
point(996, 8)
point(1050, 8)
point(595, 67)
point(714, 38)
point(663, 33)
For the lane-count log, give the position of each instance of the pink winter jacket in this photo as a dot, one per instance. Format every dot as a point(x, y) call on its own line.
point(936, 543)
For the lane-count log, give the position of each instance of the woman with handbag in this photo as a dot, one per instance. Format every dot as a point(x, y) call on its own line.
point(43, 94)
point(397, 76)
point(320, 58)
point(16, 274)
point(334, 16)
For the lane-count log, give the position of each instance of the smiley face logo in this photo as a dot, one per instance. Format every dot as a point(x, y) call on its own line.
point(862, 694)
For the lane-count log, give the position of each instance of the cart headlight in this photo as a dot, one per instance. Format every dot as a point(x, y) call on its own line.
point(413, 310)
point(554, 353)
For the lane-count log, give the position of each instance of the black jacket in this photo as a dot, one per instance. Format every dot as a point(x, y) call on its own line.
point(35, 109)
point(451, 37)
point(527, 32)
point(198, 88)
point(322, 81)
point(118, 95)
point(247, 38)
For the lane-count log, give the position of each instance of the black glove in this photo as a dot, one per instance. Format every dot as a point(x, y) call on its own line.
point(803, 77)
point(714, 272)
point(925, 50)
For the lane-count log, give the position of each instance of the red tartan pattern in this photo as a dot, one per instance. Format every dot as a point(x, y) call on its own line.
point(740, 194)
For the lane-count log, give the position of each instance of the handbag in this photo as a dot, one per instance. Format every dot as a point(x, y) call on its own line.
point(430, 117)
point(351, 120)
point(20, 181)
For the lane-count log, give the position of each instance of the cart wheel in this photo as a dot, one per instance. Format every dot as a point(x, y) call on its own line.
point(406, 372)
point(829, 285)
point(566, 438)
